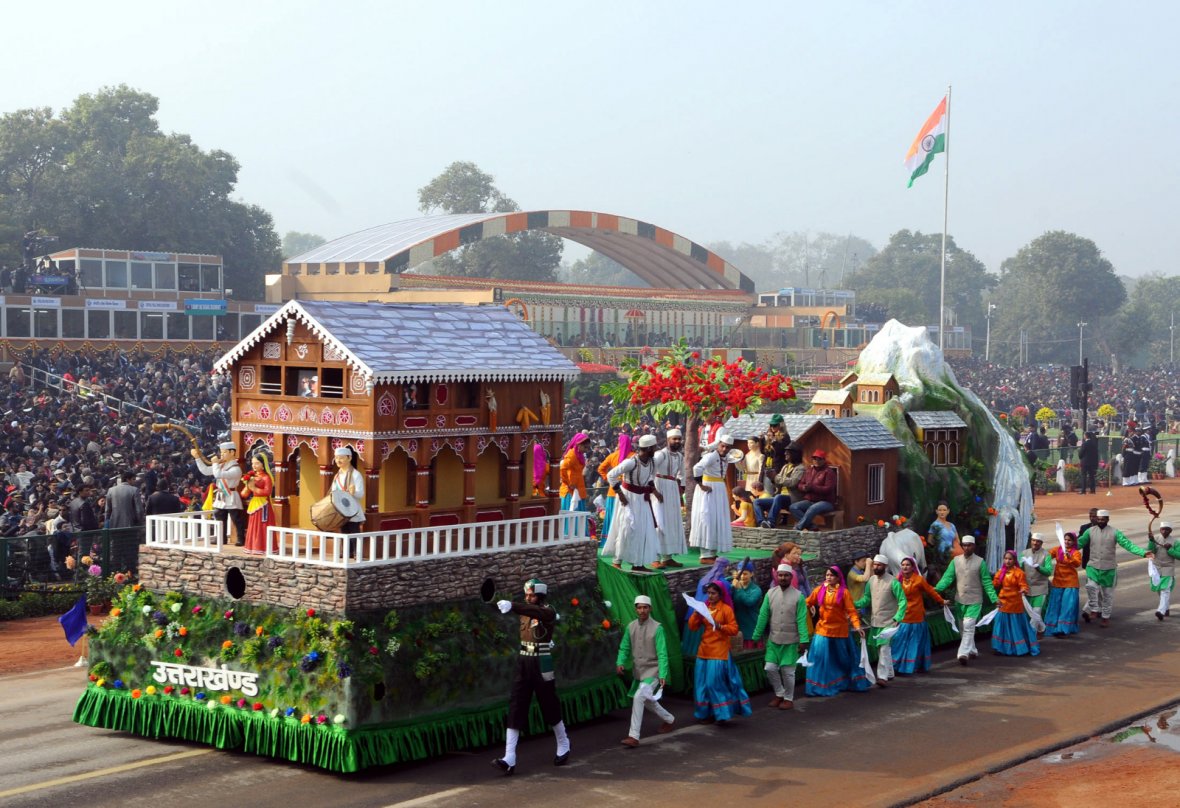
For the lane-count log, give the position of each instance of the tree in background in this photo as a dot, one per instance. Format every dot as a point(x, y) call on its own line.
point(296, 243)
point(598, 270)
point(907, 271)
point(1150, 303)
point(813, 260)
point(463, 188)
point(700, 391)
point(1052, 283)
point(103, 174)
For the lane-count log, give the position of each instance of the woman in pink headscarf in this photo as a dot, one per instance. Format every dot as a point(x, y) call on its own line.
point(573, 474)
point(835, 658)
point(540, 469)
point(613, 459)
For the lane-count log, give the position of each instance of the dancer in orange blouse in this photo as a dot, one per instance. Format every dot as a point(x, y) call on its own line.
point(1012, 633)
point(911, 644)
point(717, 683)
point(1061, 611)
point(834, 656)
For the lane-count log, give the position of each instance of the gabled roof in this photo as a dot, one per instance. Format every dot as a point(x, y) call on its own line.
point(831, 397)
point(938, 419)
point(858, 432)
point(397, 343)
point(745, 426)
point(875, 379)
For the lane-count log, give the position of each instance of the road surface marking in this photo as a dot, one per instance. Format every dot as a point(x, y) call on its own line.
point(75, 778)
point(428, 798)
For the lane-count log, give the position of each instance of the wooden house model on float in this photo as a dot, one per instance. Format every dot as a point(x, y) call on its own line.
point(871, 388)
point(442, 405)
point(866, 456)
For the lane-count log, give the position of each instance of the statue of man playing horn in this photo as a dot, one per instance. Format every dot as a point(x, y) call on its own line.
point(227, 478)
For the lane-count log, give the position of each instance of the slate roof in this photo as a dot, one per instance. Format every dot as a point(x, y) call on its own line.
point(858, 432)
point(397, 343)
point(744, 426)
point(874, 379)
point(938, 419)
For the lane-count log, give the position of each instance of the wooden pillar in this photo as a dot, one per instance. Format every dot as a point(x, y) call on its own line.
point(554, 485)
point(513, 467)
point(326, 474)
point(280, 499)
point(422, 484)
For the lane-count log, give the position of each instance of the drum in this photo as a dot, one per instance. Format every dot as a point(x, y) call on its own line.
point(331, 512)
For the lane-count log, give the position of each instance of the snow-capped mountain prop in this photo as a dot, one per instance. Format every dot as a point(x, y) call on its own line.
point(927, 384)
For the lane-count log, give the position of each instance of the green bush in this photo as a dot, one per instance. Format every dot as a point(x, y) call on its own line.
point(38, 603)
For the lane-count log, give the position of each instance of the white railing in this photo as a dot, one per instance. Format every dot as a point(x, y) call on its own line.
point(190, 530)
point(414, 544)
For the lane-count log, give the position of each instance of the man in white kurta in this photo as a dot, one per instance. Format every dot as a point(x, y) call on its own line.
point(634, 536)
point(710, 529)
point(670, 483)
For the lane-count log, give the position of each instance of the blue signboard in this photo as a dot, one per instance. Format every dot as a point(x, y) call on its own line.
point(215, 308)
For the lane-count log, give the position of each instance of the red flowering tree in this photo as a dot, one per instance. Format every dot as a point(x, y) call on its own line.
point(700, 390)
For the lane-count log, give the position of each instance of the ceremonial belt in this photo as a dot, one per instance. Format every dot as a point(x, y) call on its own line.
point(535, 648)
point(668, 477)
point(646, 492)
point(639, 489)
point(710, 479)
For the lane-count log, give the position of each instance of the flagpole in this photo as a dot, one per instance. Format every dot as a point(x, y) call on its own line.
point(946, 192)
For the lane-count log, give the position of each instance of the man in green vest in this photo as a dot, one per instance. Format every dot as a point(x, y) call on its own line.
point(1102, 573)
point(886, 602)
point(972, 580)
point(784, 616)
point(644, 648)
point(1038, 570)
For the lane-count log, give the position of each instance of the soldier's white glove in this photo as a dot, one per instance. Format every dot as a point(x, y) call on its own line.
point(505, 606)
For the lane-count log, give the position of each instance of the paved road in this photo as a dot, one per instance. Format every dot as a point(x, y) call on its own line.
point(886, 747)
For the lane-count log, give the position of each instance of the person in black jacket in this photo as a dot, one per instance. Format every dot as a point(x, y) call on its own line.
point(82, 515)
point(1088, 458)
point(163, 501)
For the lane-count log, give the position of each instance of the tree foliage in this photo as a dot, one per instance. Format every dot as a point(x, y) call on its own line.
point(464, 188)
point(598, 270)
point(701, 390)
point(1052, 283)
point(904, 280)
point(819, 260)
point(101, 173)
point(296, 243)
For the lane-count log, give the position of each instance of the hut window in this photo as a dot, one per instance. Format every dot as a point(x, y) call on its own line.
point(332, 382)
point(272, 380)
point(876, 482)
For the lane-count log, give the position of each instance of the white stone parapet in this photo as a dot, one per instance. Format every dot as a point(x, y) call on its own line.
point(195, 531)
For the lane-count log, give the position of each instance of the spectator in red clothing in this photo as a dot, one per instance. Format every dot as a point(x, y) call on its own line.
point(818, 488)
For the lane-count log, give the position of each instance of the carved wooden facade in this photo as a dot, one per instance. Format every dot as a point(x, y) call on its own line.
point(434, 451)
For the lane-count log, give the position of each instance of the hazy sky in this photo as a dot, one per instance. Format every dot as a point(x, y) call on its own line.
point(717, 121)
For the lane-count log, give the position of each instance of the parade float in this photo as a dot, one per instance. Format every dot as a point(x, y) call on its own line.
point(346, 651)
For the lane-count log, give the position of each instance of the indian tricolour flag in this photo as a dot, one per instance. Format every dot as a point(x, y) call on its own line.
point(930, 141)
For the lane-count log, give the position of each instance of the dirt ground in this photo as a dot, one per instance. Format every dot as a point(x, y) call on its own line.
point(37, 644)
point(1062, 504)
point(1141, 769)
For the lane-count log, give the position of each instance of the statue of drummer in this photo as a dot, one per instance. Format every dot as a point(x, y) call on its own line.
point(534, 674)
point(227, 479)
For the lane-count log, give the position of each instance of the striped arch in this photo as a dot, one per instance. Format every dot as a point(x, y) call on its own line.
point(660, 257)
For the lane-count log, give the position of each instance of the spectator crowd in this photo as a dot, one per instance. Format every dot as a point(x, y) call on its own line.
point(83, 456)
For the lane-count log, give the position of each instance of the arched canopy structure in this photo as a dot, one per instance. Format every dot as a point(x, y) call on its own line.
point(658, 256)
